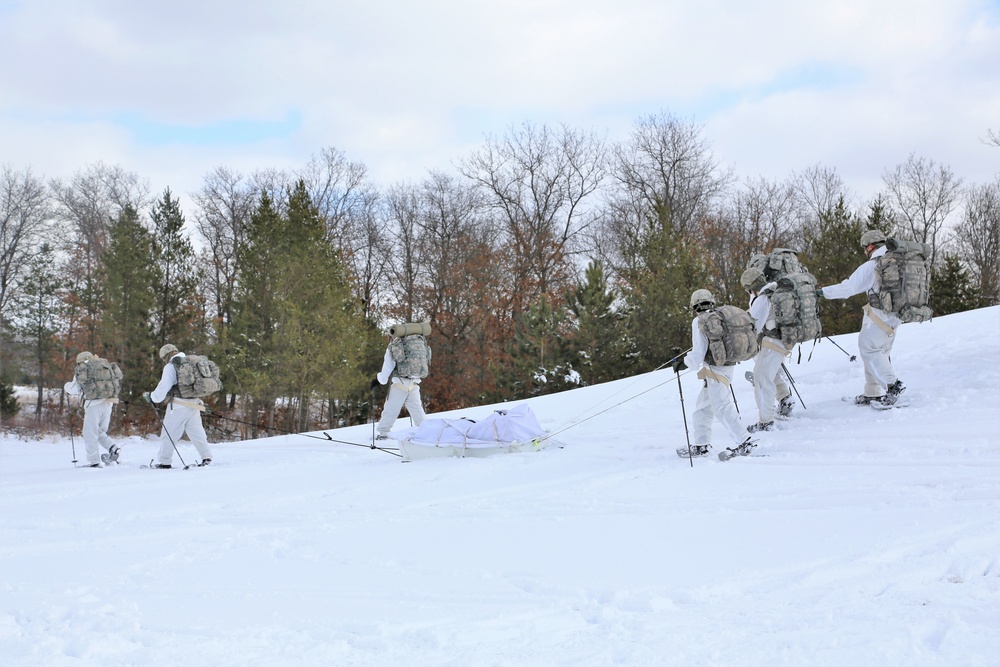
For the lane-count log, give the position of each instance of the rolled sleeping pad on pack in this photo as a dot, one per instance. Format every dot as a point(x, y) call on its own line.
point(410, 328)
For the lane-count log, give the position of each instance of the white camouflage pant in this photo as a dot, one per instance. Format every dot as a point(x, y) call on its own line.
point(401, 394)
point(875, 346)
point(768, 383)
point(178, 420)
point(716, 400)
point(96, 419)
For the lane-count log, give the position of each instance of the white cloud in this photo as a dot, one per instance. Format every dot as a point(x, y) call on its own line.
point(410, 86)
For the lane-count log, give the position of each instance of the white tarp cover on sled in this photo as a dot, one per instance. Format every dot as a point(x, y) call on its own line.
point(513, 430)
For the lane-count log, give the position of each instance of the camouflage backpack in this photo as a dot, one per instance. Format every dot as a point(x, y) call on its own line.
point(412, 356)
point(197, 376)
point(904, 280)
point(777, 263)
point(99, 378)
point(796, 308)
point(732, 335)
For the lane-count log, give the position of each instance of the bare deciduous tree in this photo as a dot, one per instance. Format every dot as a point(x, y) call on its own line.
point(764, 213)
point(225, 203)
point(453, 241)
point(757, 218)
point(93, 198)
point(349, 205)
point(88, 203)
point(24, 216)
point(667, 181)
point(921, 195)
point(818, 190)
point(537, 180)
point(404, 207)
point(667, 170)
point(338, 188)
point(978, 238)
point(369, 257)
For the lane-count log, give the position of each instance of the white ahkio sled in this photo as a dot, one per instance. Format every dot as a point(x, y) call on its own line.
point(502, 432)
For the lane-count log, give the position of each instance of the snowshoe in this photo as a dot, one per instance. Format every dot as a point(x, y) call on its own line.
point(888, 402)
point(112, 455)
point(876, 402)
point(743, 449)
point(895, 389)
point(696, 451)
point(785, 406)
point(760, 426)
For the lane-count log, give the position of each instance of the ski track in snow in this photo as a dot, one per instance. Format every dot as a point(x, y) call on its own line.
point(863, 537)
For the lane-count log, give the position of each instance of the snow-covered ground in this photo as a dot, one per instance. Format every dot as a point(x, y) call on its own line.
point(856, 537)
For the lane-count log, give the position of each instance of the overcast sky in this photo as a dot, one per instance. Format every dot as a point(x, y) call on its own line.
point(172, 90)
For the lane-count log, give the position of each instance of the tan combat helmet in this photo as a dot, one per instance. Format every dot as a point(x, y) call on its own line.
point(701, 300)
point(872, 237)
point(753, 279)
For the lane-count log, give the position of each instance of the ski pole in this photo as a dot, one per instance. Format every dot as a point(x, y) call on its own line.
point(792, 380)
point(687, 437)
point(680, 391)
point(735, 402)
point(72, 442)
point(853, 357)
point(371, 409)
point(160, 419)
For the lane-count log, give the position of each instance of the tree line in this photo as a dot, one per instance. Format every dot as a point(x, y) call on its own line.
point(547, 258)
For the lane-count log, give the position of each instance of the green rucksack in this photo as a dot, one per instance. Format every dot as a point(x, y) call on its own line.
point(412, 356)
point(99, 378)
point(904, 280)
point(796, 308)
point(197, 376)
point(731, 333)
point(777, 263)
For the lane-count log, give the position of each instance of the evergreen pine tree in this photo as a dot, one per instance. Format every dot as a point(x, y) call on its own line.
point(9, 406)
point(177, 316)
point(39, 309)
point(297, 331)
point(599, 346)
point(321, 330)
point(658, 296)
point(540, 361)
point(252, 344)
point(130, 277)
point(952, 290)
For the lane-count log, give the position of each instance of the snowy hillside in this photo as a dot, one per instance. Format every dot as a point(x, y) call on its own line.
point(856, 537)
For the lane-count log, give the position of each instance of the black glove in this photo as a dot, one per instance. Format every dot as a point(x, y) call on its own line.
point(677, 363)
point(375, 384)
point(819, 293)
